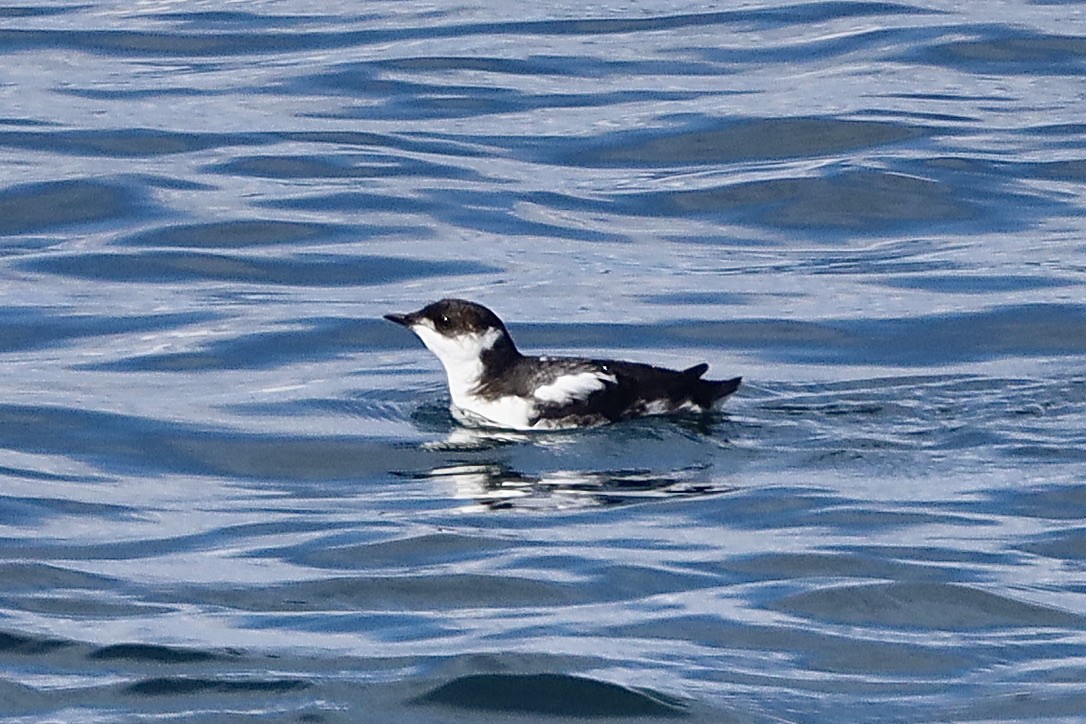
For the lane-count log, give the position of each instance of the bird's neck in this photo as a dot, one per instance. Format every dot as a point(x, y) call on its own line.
point(467, 374)
point(500, 357)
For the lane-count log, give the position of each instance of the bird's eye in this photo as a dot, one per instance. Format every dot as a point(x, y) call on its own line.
point(444, 320)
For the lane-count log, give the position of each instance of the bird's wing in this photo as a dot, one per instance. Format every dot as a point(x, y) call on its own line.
point(574, 386)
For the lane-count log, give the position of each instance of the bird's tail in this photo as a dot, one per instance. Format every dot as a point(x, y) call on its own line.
point(713, 391)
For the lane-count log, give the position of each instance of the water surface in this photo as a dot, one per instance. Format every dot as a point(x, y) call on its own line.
point(229, 491)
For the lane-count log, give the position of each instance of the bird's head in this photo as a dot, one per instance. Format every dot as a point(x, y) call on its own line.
point(459, 332)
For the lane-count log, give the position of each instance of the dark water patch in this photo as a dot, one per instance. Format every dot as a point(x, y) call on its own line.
point(416, 142)
point(820, 651)
point(303, 269)
point(977, 172)
point(270, 458)
point(1054, 453)
point(973, 283)
point(37, 11)
point(1067, 545)
point(21, 699)
point(357, 201)
point(804, 14)
point(340, 167)
point(779, 16)
point(371, 405)
point(420, 591)
point(27, 474)
point(1007, 51)
point(860, 517)
point(1016, 331)
point(926, 559)
point(550, 65)
point(149, 143)
point(798, 566)
point(471, 101)
point(844, 408)
point(713, 143)
point(26, 123)
point(131, 443)
point(416, 551)
point(902, 257)
point(857, 200)
point(134, 548)
point(415, 592)
point(175, 44)
point(31, 577)
point(1026, 331)
point(125, 142)
point(550, 694)
point(30, 645)
point(236, 234)
point(132, 95)
point(230, 18)
point(1070, 170)
point(416, 99)
point(84, 605)
point(23, 328)
point(823, 49)
point(922, 606)
point(48, 549)
point(709, 299)
point(1065, 133)
point(299, 167)
point(26, 511)
point(1022, 706)
point(189, 686)
point(779, 507)
point(208, 43)
point(384, 626)
point(363, 80)
point(855, 656)
point(39, 207)
point(170, 183)
point(153, 654)
point(1065, 502)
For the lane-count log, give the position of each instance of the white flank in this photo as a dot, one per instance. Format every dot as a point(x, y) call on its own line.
point(578, 386)
point(666, 407)
point(510, 413)
point(657, 407)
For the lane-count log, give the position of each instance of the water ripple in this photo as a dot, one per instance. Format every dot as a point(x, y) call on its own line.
point(230, 490)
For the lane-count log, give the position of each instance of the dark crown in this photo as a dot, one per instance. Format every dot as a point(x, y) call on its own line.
point(456, 316)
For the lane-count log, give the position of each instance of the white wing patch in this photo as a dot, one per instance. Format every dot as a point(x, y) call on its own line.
point(577, 386)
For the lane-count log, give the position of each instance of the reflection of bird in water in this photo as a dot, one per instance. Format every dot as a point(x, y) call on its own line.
point(494, 485)
point(494, 385)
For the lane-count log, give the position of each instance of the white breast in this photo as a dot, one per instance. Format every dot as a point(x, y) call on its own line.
point(513, 413)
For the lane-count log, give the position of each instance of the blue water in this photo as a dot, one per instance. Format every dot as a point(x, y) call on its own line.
point(230, 491)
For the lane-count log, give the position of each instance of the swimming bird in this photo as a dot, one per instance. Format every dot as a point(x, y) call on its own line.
point(493, 385)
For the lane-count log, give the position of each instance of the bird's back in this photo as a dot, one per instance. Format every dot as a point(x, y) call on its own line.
point(572, 391)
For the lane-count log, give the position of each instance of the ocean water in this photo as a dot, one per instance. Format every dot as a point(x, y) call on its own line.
point(231, 492)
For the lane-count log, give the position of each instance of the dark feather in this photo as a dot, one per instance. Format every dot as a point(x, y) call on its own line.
point(637, 389)
point(696, 370)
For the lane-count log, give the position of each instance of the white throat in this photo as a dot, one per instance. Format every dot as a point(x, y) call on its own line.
point(462, 358)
